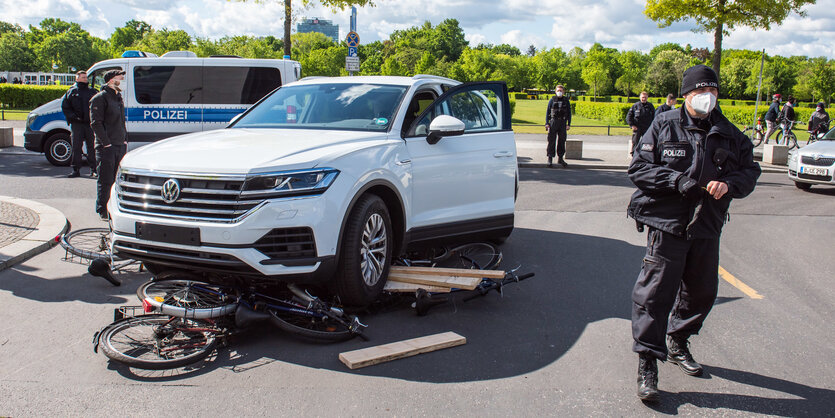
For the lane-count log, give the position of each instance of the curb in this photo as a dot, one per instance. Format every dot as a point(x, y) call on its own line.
point(52, 224)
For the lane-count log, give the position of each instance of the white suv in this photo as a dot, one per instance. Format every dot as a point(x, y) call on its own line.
point(324, 180)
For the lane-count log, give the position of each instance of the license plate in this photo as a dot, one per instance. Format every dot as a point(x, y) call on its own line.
point(814, 171)
point(169, 234)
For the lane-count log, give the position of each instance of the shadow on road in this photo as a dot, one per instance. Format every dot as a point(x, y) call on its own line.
point(803, 401)
point(30, 166)
point(24, 282)
point(582, 177)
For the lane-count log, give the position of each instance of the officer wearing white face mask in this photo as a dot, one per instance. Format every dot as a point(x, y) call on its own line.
point(688, 167)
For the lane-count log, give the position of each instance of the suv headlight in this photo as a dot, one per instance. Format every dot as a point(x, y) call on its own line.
point(30, 120)
point(290, 183)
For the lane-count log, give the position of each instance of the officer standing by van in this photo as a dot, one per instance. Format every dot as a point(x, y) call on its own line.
point(639, 117)
point(687, 167)
point(557, 124)
point(76, 108)
point(107, 113)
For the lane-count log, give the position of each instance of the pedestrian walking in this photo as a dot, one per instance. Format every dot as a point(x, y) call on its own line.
point(107, 113)
point(670, 104)
point(557, 124)
point(639, 118)
point(771, 116)
point(688, 167)
point(76, 108)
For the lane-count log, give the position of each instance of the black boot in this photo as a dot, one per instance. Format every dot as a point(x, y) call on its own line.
point(74, 174)
point(550, 162)
point(679, 353)
point(564, 164)
point(647, 378)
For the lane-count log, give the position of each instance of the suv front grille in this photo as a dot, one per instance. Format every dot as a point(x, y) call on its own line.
point(213, 199)
point(287, 244)
point(821, 162)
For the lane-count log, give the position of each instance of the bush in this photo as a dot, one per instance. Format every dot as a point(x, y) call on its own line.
point(744, 115)
point(520, 96)
point(612, 113)
point(21, 96)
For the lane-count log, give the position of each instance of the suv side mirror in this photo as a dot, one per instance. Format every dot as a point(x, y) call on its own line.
point(444, 125)
point(234, 119)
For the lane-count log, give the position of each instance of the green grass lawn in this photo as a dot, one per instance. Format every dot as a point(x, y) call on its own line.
point(529, 118)
point(14, 114)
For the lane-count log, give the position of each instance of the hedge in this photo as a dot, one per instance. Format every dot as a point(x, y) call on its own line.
point(612, 113)
point(21, 96)
point(744, 115)
point(512, 104)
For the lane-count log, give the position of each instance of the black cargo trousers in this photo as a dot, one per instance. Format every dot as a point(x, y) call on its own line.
point(82, 135)
point(109, 159)
point(556, 138)
point(675, 290)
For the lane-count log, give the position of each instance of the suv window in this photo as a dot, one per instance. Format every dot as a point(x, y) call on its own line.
point(477, 108)
point(168, 84)
point(238, 85)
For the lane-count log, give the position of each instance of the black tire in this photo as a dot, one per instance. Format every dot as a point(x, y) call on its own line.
point(363, 271)
point(477, 255)
point(754, 135)
point(802, 186)
point(188, 298)
point(158, 342)
point(58, 149)
point(792, 140)
point(89, 243)
point(313, 329)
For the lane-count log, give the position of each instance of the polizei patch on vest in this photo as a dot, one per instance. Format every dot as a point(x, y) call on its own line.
point(675, 153)
point(646, 147)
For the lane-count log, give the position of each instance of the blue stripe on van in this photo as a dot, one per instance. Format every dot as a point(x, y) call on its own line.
point(45, 118)
point(221, 115)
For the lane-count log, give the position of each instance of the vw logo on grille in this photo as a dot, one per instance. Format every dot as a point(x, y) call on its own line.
point(170, 191)
point(817, 157)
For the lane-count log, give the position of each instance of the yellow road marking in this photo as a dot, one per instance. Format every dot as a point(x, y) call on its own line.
point(744, 288)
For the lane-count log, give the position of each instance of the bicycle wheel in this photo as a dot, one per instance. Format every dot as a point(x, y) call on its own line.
point(89, 243)
point(791, 140)
point(157, 342)
point(478, 255)
point(752, 134)
point(302, 323)
point(188, 298)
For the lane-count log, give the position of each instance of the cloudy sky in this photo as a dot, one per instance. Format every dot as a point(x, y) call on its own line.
point(543, 23)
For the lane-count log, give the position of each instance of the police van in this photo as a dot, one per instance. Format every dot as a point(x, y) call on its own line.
point(170, 95)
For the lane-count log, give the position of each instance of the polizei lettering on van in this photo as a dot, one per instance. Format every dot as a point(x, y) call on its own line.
point(165, 115)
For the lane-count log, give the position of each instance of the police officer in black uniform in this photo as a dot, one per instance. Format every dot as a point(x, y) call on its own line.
point(107, 113)
point(640, 116)
point(667, 106)
point(687, 167)
point(557, 124)
point(76, 108)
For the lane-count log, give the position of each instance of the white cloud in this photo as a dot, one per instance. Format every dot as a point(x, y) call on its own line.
point(543, 23)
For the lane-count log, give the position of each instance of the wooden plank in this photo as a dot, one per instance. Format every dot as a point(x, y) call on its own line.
point(438, 271)
point(400, 349)
point(468, 283)
point(401, 287)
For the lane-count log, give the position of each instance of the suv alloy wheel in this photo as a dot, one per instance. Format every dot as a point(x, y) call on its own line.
point(366, 252)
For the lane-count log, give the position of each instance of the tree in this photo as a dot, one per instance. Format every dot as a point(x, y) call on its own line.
point(665, 72)
point(126, 36)
point(288, 14)
point(551, 68)
point(598, 68)
point(822, 80)
point(779, 76)
point(160, 41)
point(735, 77)
point(720, 16)
point(531, 51)
point(634, 67)
point(6, 27)
point(393, 67)
point(15, 54)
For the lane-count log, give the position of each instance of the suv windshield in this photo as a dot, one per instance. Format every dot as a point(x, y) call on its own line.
point(344, 106)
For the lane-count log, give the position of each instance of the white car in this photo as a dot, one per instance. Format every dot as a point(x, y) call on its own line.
point(814, 163)
point(324, 180)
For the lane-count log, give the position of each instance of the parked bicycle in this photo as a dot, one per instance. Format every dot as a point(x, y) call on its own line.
point(756, 133)
point(817, 133)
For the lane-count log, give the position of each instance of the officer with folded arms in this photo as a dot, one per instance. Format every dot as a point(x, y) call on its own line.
point(107, 113)
point(76, 109)
point(688, 167)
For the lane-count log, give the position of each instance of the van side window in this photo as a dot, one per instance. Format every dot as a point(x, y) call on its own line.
point(96, 77)
point(238, 85)
point(168, 84)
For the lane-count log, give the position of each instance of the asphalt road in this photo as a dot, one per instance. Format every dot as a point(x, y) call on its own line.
point(558, 344)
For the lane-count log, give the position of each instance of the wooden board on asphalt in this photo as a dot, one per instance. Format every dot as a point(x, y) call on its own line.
point(400, 287)
point(468, 283)
point(439, 271)
point(400, 349)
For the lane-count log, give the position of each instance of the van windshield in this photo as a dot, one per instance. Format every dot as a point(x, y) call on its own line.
point(344, 106)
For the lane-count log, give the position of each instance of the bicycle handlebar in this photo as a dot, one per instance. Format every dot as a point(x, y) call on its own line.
point(497, 285)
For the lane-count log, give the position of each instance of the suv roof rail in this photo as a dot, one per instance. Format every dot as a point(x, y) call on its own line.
point(430, 76)
point(225, 56)
point(179, 54)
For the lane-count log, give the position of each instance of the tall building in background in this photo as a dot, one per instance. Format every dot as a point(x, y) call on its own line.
point(319, 25)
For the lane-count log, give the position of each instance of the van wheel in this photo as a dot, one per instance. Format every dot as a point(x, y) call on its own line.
point(366, 252)
point(802, 186)
point(58, 149)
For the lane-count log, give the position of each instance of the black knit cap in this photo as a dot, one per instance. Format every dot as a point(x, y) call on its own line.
point(112, 73)
point(698, 76)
